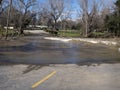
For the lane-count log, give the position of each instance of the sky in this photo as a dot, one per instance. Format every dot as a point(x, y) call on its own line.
point(75, 6)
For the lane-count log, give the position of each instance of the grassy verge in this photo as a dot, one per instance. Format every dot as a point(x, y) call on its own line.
point(10, 32)
point(100, 35)
point(69, 33)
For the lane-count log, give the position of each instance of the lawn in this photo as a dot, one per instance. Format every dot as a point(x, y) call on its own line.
point(69, 33)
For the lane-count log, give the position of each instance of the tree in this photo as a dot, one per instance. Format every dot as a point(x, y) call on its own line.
point(84, 13)
point(56, 10)
point(117, 14)
point(33, 19)
point(24, 6)
point(89, 14)
point(53, 12)
point(66, 15)
point(0, 2)
point(8, 19)
point(112, 21)
point(44, 17)
point(3, 6)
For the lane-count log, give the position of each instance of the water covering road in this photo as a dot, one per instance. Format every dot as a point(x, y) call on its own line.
point(37, 50)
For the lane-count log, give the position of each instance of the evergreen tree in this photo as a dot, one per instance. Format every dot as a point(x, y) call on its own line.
point(112, 21)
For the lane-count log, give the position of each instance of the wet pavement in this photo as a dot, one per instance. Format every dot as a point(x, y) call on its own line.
point(79, 65)
point(36, 50)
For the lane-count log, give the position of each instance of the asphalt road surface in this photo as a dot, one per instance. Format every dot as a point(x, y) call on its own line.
point(56, 65)
point(67, 77)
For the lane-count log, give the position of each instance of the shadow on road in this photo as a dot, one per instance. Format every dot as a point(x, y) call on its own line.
point(33, 67)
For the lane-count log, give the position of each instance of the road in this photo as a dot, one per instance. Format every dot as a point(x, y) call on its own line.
point(77, 65)
point(67, 77)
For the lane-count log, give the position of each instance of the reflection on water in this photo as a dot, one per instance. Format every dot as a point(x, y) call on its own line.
point(40, 51)
point(25, 48)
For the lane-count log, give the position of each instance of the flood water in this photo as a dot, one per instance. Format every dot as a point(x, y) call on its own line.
point(37, 50)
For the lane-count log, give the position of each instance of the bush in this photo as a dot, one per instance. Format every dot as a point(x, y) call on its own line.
point(100, 35)
point(52, 32)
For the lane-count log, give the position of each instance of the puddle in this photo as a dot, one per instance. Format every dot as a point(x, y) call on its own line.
point(37, 50)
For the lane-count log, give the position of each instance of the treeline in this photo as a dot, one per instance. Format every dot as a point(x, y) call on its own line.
point(17, 14)
point(94, 19)
point(112, 21)
point(100, 20)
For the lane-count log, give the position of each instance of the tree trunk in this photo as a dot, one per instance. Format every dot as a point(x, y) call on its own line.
point(8, 19)
point(0, 2)
point(21, 30)
point(86, 27)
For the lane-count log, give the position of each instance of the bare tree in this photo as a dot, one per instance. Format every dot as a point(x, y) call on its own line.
point(67, 13)
point(24, 6)
point(56, 10)
point(89, 11)
point(44, 16)
point(8, 19)
point(84, 12)
point(3, 6)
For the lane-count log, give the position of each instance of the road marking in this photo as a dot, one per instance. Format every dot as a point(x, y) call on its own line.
point(43, 80)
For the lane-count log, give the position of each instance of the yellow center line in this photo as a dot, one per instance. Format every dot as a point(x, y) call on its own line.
point(43, 80)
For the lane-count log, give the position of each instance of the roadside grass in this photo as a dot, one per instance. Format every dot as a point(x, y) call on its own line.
point(100, 35)
point(10, 32)
point(69, 33)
